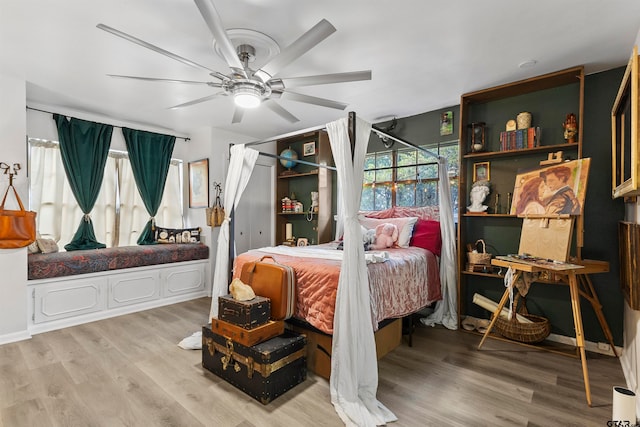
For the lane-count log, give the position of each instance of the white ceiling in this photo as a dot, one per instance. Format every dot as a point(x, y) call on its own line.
point(423, 54)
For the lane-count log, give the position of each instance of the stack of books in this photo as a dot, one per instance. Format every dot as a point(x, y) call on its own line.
point(520, 139)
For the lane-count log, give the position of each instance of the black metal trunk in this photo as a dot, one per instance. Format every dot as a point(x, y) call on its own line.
point(263, 371)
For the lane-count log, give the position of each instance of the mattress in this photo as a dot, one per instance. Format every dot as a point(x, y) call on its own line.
point(405, 282)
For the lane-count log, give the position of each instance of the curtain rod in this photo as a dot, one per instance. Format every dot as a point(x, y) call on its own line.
point(374, 128)
point(402, 141)
point(51, 112)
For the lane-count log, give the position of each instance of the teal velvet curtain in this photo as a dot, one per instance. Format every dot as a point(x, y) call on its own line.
point(150, 156)
point(84, 147)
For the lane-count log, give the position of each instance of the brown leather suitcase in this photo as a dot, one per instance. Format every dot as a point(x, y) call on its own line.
point(272, 280)
point(251, 337)
point(247, 314)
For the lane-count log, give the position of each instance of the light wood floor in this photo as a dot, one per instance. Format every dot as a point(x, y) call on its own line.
point(128, 371)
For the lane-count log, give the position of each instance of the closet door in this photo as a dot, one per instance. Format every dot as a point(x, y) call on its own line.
point(253, 218)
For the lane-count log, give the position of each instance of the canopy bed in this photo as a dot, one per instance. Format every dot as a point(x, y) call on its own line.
point(358, 306)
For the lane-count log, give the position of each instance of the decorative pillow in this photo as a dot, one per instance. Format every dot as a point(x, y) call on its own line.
point(47, 246)
point(405, 227)
point(387, 213)
point(33, 248)
point(426, 235)
point(424, 212)
point(178, 235)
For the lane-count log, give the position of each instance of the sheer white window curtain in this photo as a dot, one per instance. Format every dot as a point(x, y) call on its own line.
point(119, 213)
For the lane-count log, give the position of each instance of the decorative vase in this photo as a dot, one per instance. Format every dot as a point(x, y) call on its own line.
point(523, 120)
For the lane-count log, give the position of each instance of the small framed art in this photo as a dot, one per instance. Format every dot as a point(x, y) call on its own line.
point(309, 148)
point(302, 241)
point(446, 123)
point(481, 171)
point(199, 184)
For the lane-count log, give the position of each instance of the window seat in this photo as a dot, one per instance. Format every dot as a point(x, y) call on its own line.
point(70, 288)
point(47, 266)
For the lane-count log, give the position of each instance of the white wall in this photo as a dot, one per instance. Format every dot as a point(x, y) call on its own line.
point(13, 262)
point(630, 358)
point(17, 123)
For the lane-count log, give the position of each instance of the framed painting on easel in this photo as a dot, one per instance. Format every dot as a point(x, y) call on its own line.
point(558, 189)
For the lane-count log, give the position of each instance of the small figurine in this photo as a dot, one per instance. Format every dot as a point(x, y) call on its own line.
point(570, 128)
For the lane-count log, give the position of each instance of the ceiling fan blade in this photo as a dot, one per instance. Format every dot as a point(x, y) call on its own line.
point(237, 115)
point(323, 79)
point(292, 96)
point(212, 18)
point(281, 111)
point(198, 101)
point(152, 79)
point(159, 50)
point(307, 41)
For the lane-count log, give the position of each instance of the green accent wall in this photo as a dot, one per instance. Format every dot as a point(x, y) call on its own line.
point(602, 213)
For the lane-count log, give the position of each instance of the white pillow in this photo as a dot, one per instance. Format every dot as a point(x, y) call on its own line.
point(405, 227)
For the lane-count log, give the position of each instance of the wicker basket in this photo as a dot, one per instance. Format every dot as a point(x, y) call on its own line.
point(524, 332)
point(479, 257)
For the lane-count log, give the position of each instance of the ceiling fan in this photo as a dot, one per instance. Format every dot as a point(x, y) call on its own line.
point(251, 88)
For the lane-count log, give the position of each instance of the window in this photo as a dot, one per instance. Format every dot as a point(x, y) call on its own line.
point(407, 177)
point(119, 214)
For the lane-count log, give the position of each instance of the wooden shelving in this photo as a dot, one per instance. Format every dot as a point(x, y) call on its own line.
point(549, 98)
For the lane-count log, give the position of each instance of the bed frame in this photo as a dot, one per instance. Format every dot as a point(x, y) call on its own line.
point(319, 344)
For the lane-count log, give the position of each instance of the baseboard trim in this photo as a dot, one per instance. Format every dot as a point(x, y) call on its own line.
point(588, 345)
point(14, 337)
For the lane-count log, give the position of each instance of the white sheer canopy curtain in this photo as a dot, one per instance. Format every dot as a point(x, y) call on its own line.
point(446, 309)
point(241, 165)
point(354, 367)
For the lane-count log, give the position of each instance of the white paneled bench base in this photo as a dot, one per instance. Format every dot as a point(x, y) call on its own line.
point(68, 300)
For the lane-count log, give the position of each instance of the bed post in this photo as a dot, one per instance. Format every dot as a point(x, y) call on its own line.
point(352, 133)
point(232, 244)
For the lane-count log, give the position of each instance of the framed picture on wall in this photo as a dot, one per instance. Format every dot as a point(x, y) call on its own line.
point(309, 148)
point(446, 123)
point(199, 184)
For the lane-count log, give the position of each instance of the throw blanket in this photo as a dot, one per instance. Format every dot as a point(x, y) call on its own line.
point(326, 251)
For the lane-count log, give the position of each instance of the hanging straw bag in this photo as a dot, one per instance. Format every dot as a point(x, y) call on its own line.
point(215, 214)
point(479, 257)
point(17, 228)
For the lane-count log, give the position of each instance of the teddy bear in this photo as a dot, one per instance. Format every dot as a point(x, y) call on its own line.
point(386, 236)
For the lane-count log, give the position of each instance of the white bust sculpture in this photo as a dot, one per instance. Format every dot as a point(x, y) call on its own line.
point(479, 192)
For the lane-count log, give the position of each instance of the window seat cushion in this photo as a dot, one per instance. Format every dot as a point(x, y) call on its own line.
point(46, 266)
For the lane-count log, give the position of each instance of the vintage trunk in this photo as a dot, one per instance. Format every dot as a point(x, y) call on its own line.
point(247, 314)
point(248, 337)
point(264, 371)
point(274, 281)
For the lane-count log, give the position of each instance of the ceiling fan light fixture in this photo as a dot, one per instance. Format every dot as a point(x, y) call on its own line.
point(247, 95)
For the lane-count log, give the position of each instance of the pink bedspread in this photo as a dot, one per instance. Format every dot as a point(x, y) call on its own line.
point(405, 283)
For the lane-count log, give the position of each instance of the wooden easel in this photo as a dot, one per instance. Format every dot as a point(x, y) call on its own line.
point(548, 238)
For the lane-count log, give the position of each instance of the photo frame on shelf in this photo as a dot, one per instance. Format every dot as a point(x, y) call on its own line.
point(199, 184)
point(302, 241)
point(309, 148)
point(481, 171)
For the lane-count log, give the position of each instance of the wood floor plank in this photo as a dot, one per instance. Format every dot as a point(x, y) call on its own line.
point(129, 371)
point(30, 413)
